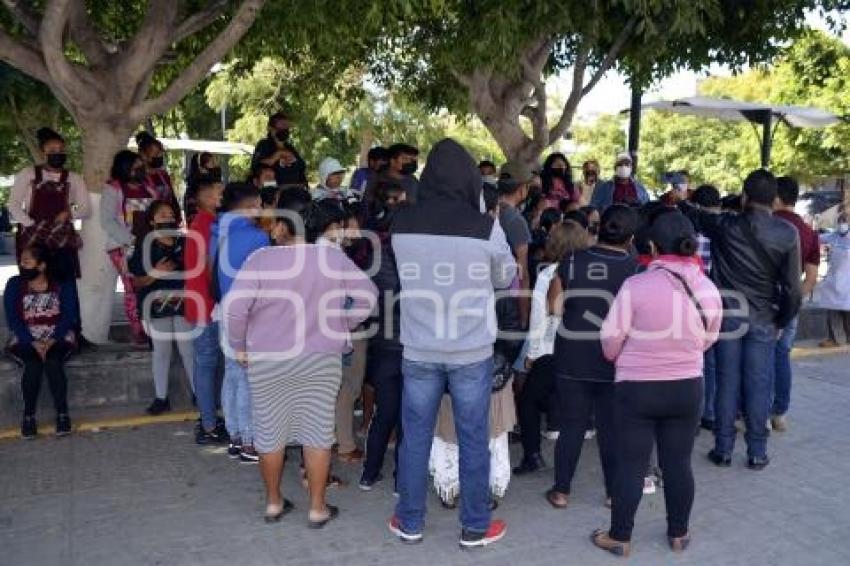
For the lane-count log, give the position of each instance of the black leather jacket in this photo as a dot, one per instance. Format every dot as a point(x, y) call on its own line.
point(737, 266)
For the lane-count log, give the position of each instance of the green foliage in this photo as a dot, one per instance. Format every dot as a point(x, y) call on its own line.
point(25, 106)
point(335, 118)
point(601, 140)
point(815, 71)
point(446, 37)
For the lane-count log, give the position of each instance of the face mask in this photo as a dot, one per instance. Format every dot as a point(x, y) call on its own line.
point(169, 225)
point(30, 274)
point(623, 171)
point(137, 176)
point(270, 184)
point(593, 229)
point(491, 179)
point(282, 135)
point(56, 160)
point(682, 187)
point(843, 228)
point(214, 173)
point(559, 171)
point(591, 177)
point(157, 162)
point(409, 168)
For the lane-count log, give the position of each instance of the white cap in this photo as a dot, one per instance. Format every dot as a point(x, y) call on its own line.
point(623, 155)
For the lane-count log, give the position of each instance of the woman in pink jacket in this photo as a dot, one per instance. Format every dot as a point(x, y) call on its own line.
point(659, 325)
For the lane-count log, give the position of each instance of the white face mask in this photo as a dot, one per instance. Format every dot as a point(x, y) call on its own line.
point(270, 184)
point(491, 179)
point(682, 187)
point(843, 228)
point(623, 171)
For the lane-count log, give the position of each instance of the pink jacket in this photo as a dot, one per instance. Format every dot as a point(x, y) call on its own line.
point(653, 331)
point(293, 300)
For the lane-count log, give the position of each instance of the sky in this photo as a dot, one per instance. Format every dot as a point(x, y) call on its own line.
point(612, 94)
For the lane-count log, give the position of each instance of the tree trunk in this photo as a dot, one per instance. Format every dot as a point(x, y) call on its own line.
point(101, 140)
point(366, 139)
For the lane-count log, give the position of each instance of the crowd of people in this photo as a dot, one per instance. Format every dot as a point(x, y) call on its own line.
point(459, 309)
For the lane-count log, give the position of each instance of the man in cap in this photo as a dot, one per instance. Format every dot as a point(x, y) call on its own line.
point(622, 189)
point(514, 178)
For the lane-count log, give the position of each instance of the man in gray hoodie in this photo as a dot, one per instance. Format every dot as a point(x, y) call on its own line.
point(450, 257)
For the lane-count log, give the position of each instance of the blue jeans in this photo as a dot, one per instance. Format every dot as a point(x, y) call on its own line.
point(744, 367)
point(782, 371)
point(236, 402)
point(470, 387)
point(709, 373)
point(207, 351)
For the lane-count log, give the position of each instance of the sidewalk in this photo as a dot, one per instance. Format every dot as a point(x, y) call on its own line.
point(148, 495)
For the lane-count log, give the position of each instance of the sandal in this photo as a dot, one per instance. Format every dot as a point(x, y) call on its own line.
point(679, 544)
point(333, 513)
point(273, 514)
point(601, 539)
point(552, 498)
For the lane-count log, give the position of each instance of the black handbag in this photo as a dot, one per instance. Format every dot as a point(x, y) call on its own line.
point(784, 307)
point(505, 350)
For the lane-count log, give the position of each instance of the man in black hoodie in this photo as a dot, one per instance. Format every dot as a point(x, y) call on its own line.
point(275, 150)
point(450, 257)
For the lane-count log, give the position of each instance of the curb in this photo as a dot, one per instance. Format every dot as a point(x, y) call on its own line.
point(124, 422)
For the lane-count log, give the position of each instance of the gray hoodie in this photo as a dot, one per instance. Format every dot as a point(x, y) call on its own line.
point(450, 257)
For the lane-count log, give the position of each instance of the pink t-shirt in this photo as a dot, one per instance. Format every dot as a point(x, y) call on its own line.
point(292, 300)
point(653, 331)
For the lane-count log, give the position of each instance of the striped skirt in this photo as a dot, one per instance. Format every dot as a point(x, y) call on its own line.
point(294, 401)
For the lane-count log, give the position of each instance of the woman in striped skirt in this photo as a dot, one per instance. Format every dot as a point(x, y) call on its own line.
point(288, 317)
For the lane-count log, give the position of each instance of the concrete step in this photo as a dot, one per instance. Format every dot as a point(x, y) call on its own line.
point(113, 380)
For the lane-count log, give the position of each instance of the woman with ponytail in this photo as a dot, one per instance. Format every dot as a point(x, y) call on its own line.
point(157, 178)
point(661, 322)
point(44, 202)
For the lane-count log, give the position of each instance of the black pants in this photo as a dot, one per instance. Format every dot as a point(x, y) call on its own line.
point(384, 371)
point(534, 400)
point(665, 413)
point(34, 367)
point(578, 401)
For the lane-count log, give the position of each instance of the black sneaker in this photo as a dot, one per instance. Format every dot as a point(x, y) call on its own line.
point(234, 448)
point(367, 485)
point(63, 425)
point(719, 460)
point(496, 532)
point(530, 465)
point(203, 437)
point(758, 463)
point(248, 455)
point(29, 428)
point(159, 406)
point(707, 424)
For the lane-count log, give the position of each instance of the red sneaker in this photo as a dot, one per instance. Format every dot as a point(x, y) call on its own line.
point(471, 539)
point(406, 537)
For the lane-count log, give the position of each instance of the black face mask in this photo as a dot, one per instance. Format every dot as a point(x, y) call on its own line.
point(56, 160)
point(559, 172)
point(409, 168)
point(29, 274)
point(593, 229)
point(157, 162)
point(214, 173)
point(282, 135)
point(137, 176)
point(170, 225)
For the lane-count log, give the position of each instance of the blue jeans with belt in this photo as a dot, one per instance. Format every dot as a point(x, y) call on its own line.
point(744, 367)
point(782, 370)
point(469, 386)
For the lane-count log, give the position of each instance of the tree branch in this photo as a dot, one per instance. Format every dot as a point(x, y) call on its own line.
point(74, 82)
point(150, 41)
point(84, 34)
point(24, 56)
point(532, 74)
point(241, 22)
point(23, 16)
point(611, 56)
point(198, 21)
point(579, 89)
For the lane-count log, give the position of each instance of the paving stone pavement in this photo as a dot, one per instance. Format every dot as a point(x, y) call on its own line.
point(149, 496)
